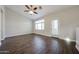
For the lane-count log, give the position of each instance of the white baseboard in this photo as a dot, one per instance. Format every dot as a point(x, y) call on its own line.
point(62, 38)
point(43, 34)
point(16, 35)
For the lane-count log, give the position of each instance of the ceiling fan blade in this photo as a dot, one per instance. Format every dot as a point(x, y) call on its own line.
point(40, 7)
point(27, 6)
point(35, 8)
point(26, 10)
point(31, 5)
point(35, 12)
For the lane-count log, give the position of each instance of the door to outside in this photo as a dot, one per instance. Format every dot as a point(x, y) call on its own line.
point(55, 29)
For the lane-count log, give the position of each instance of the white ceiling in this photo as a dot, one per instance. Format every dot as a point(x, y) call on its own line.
point(46, 9)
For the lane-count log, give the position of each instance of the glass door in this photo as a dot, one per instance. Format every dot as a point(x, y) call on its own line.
point(55, 29)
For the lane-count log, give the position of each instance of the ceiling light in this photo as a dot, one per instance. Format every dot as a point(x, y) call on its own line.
point(32, 9)
point(31, 12)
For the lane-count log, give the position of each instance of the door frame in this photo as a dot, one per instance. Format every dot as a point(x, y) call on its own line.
point(2, 23)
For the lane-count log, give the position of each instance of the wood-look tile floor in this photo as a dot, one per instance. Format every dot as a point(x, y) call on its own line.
point(37, 44)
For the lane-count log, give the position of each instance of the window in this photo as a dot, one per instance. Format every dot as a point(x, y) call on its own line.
point(39, 25)
point(55, 27)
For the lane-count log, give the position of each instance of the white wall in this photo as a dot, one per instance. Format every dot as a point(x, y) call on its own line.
point(68, 21)
point(16, 24)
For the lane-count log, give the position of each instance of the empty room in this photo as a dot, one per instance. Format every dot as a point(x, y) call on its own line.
point(39, 29)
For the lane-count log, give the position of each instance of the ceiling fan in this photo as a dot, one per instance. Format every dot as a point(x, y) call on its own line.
point(32, 9)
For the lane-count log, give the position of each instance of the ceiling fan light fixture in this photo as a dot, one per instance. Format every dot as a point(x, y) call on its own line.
point(32, 9)
point(31, 12)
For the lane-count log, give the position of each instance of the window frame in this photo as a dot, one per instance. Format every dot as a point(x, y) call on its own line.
point(39, 23)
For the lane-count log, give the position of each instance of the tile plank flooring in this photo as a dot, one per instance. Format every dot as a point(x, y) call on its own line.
point(37, 44)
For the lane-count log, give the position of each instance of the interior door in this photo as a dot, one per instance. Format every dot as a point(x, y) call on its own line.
point(2, 31)
point(0, 24)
